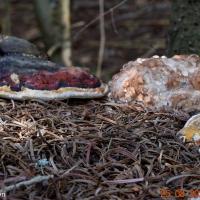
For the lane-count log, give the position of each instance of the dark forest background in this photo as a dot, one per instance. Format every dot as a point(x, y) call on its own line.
point(133, 28)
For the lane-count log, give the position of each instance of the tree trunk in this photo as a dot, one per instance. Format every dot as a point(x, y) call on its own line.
point(66, 32)
point(6, 21)
point(184, 36)
point(45, 18)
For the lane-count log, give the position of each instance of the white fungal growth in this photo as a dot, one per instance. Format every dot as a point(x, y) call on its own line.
point(15, 78)
point(160, 81)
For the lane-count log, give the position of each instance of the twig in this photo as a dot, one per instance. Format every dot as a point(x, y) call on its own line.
point(106, 119)
point(102, 38)
point(133, 180)
point(113, 22)
point(181, 176)
point(53, 49)
point(97, 18)
point(69, 170)
point(32, 181)
point(139, 12)
point(152, 50)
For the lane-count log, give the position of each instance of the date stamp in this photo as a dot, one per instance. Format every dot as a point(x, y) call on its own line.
point(2, 195)
point(167, 193)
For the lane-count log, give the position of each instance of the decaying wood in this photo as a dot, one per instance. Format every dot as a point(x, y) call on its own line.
point(160, 82)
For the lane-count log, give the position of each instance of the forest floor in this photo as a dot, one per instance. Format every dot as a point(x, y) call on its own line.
point(93, 149)
point(96, 149)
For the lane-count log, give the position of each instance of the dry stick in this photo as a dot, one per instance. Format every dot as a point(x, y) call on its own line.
point(66, 23)
point(122, 181)
point(97, 18)
point(102, 38)
point(113, 22)
point(181, 176)
point(36, 179)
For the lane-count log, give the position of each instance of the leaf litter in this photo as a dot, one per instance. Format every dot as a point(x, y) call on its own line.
point(92, 149)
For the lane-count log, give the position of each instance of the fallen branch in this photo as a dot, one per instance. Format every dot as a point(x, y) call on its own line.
point(36, 179)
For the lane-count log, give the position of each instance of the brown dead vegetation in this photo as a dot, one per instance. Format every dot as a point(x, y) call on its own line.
point(92, 150)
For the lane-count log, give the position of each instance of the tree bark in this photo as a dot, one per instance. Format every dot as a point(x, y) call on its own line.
point(184, 36)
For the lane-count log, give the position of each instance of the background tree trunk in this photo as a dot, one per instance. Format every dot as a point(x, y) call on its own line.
point(184, 36)
point(55, 25)
point(6, 21)
point(44, 14)
point(66, 32)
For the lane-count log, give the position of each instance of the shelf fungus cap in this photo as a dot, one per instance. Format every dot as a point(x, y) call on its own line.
point(15, 45)
point(26, 74)
point(61, 83)
point(24, 78)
